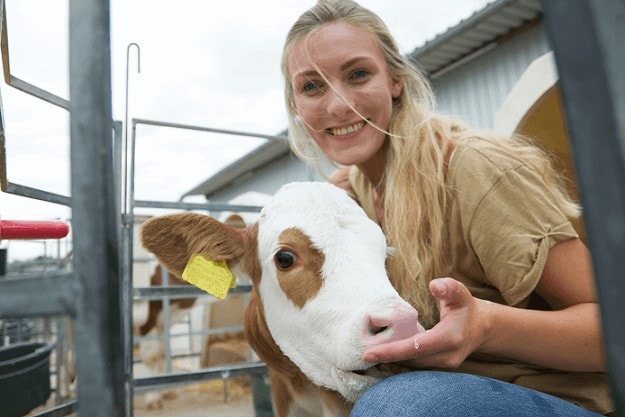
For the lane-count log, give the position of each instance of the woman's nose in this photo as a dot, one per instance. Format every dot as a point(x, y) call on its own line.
point(338, 102)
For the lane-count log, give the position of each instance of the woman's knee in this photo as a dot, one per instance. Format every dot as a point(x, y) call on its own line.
point(429, 393)
point(400, 394)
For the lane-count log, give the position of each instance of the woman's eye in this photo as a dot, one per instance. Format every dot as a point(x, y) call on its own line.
point(311, 87)
point(284, 259)
point(360, 74)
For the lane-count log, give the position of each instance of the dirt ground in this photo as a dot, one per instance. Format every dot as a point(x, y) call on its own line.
point(218, 398)
point(214, 398)
point(203, 400)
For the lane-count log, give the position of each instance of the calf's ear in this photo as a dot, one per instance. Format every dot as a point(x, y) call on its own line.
point(174, 238)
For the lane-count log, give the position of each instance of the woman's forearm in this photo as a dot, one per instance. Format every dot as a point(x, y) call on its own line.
point(569, 339)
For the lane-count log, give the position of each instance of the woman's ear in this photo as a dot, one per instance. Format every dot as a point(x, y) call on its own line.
point(397, 87)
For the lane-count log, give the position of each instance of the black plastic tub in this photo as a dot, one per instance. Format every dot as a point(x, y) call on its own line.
point(24, 377)
point(16, 331)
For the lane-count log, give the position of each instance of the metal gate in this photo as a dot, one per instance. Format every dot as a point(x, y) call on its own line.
point(96, 289)
point(89, 292)
point(257, 371)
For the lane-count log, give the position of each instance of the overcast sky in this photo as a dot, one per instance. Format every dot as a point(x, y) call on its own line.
point(203, 62)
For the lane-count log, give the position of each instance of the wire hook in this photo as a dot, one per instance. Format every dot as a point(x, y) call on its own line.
point(138, 71)
point(125, 138)
point(138, 56)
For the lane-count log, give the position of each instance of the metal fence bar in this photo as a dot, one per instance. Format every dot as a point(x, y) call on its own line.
point(46, 295)
point(37, 194)
point(96, 225)
point(587, 39)
point(183, 378)
point(179, 291)
point(35, 91)
point(136, 122)
point(17, 83)
point(66, 409)
point(166, 336)
point(196, 206)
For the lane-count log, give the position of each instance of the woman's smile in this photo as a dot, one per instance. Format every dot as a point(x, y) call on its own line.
point(344, 131)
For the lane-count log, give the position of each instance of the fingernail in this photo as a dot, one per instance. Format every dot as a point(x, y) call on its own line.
point(370, 357)
point(440, 287)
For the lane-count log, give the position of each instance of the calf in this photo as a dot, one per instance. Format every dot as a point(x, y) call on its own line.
point(152, 350)
point(320, 290)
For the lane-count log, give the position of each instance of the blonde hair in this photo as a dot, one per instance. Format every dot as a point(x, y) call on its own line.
point(419, 143)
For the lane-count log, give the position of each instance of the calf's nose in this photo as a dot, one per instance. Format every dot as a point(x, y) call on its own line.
point(397, 323)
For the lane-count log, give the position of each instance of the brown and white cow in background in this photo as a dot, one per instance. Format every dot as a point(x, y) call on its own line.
point(151, 324)
point(320, 290)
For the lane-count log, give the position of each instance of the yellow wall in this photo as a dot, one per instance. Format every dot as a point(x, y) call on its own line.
point(545, 122)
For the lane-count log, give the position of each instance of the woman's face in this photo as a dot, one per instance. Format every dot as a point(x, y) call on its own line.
point(340, 79)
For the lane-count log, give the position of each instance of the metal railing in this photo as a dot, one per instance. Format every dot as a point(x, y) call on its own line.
point(103, 238)
point(89, 292)
point(166, 293)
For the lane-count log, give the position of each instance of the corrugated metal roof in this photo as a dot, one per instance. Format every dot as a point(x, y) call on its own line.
point(259, 157)
point(485, 26)
point(482, 28)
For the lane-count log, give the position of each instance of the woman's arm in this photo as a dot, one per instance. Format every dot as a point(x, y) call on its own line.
point(568, 338)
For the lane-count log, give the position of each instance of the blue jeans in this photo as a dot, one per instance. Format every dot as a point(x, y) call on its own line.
point(449, 394)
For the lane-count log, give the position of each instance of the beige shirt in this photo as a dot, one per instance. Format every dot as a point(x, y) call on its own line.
point(502, 223)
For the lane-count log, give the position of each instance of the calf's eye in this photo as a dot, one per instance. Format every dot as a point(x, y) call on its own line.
point(284, 259)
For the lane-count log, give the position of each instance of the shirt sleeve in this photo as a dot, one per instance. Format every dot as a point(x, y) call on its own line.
point(514, 225)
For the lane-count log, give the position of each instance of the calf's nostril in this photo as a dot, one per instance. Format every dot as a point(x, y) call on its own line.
point(393, 324)
point(374, 330)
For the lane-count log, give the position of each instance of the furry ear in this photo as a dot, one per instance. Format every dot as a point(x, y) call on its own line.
point(175, 238)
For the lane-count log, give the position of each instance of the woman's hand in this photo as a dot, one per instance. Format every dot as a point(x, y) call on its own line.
point(340, 178)
point(461, 330)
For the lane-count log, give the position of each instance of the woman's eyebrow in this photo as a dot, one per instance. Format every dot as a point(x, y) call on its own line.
point(306, 74)
point(353, 61)
point(343, 67)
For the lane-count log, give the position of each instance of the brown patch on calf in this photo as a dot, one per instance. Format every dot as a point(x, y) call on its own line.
point(261, 340)
point(288, 383)
point(303, 280)
point(235, 220)
point(248, 261)
point(287, 392)
point(155, 307)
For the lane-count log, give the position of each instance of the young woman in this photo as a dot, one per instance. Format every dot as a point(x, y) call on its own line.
point(481, 224)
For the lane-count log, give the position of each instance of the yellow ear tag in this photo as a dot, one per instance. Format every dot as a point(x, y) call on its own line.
point(214, 277)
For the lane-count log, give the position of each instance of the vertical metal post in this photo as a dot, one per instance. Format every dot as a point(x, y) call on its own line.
point(128, 260)
point(165, 338)
point(96, 225)
point(587, 38)
point(120, 158)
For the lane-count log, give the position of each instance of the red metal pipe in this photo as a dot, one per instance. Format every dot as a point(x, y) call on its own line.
point(29, 229)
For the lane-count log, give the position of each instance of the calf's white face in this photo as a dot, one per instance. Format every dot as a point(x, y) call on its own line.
point(317, 263)
point(324, 288)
